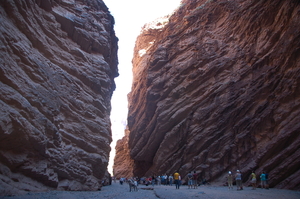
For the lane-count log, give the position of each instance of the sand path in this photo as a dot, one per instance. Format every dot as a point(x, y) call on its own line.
point(117, 191)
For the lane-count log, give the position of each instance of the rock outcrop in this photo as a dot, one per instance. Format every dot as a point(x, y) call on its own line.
point(58, 64)
point(216, 88)
point(123, 164)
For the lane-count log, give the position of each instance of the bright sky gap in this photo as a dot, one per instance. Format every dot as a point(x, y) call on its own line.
point(130, 16)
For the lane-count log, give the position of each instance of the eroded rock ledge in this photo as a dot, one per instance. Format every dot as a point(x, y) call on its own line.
point(123, 165)
point(58, 64)
point(217, 89)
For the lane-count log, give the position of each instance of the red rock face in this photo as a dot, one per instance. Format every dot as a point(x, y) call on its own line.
point(123, 164)
point(58, 63)
point(217, 89)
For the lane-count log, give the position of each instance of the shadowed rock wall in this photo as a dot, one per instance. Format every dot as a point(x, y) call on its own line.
point(58, 64)
point(216, 89)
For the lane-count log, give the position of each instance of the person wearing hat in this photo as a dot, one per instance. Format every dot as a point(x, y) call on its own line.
point(229, 178)
point(238, 179)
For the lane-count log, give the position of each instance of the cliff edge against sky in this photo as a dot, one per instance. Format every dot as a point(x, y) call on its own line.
point(216, 88)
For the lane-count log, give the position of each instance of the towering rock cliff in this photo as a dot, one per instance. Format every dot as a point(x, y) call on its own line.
point(123, 165)
point(216, 88)
point(58, 64)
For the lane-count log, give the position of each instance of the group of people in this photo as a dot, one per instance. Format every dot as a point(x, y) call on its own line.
point(238, 180)
point(165, 180)
point(158, 180)
point(176, 178)
point(169, 180)
point(192, 180)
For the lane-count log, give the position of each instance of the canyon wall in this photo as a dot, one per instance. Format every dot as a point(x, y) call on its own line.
point(58, 64)
point(123, 165)
point(216, 88)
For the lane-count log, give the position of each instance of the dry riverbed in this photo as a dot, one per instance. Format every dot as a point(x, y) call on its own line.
point(116, 191)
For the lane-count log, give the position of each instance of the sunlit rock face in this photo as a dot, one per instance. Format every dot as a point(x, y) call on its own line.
point(217, 88)
point(123, 164)
point(58, 64)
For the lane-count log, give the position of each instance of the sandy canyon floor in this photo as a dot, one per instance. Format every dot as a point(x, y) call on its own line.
point(116, 191)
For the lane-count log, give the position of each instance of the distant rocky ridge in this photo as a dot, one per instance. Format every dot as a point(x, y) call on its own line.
point(217, 88)
point(123, 166)
point(58, 64)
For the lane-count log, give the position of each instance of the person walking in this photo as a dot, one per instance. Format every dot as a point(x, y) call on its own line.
point(166, 179)
point(162, 178)
point(253, 180)
point(177, 179)
point(153, 180)
point(195, 180)
point(238, 179)
point(267, 180)
point(190, 180)
point(263, 180)
point(170, 180)
point(158, 180)
point(229, 178)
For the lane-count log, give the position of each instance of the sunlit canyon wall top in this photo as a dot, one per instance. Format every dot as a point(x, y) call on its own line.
point(217, 88)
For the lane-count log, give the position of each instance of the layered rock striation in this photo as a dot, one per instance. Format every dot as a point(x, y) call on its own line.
point(123, 164)
point(58, 64)
point(216, 88)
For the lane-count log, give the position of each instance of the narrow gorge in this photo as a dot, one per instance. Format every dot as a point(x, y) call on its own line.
point(58, 64)
point(216, 88)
